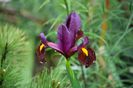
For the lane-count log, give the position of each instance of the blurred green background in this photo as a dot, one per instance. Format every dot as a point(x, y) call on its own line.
point(107, 23)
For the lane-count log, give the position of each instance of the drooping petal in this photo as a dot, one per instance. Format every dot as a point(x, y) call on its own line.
point(41, 53)
point(73, 22)
point(64, 39)
point(81, 57)
point(92, 57)
point(86, 56)
point(43, 38)
point(54, 46)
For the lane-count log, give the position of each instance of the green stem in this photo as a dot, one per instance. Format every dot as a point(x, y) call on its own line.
point(73, 79)
point(83, 76)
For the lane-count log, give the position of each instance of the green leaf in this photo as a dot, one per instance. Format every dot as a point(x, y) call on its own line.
point(43, 4)
point(15, 57)
point(68, 5)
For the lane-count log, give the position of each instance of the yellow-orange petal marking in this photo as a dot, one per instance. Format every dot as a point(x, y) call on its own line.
point(41, 47)
point(84, 50)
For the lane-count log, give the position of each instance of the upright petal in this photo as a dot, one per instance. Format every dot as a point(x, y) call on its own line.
point(84, 43)
point(86, 56)
point(73, 22)
point(79, 34)
point(64, 38)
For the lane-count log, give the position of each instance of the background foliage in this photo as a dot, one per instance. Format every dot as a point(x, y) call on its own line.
point(109, 26)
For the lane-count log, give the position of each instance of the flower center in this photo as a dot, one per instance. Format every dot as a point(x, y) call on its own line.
point(85, 51)
point(42, 46)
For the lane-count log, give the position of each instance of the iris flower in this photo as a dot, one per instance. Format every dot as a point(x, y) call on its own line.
point(68, 34)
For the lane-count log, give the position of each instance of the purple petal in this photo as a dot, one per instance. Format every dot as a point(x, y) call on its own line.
point(73, 22)
point(72, 51)
point(55, 47)
point(64, 39)
point(43, 38)
point(84, 42)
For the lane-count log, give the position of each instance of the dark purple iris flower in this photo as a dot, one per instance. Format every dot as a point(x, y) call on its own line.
point(68, 33)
